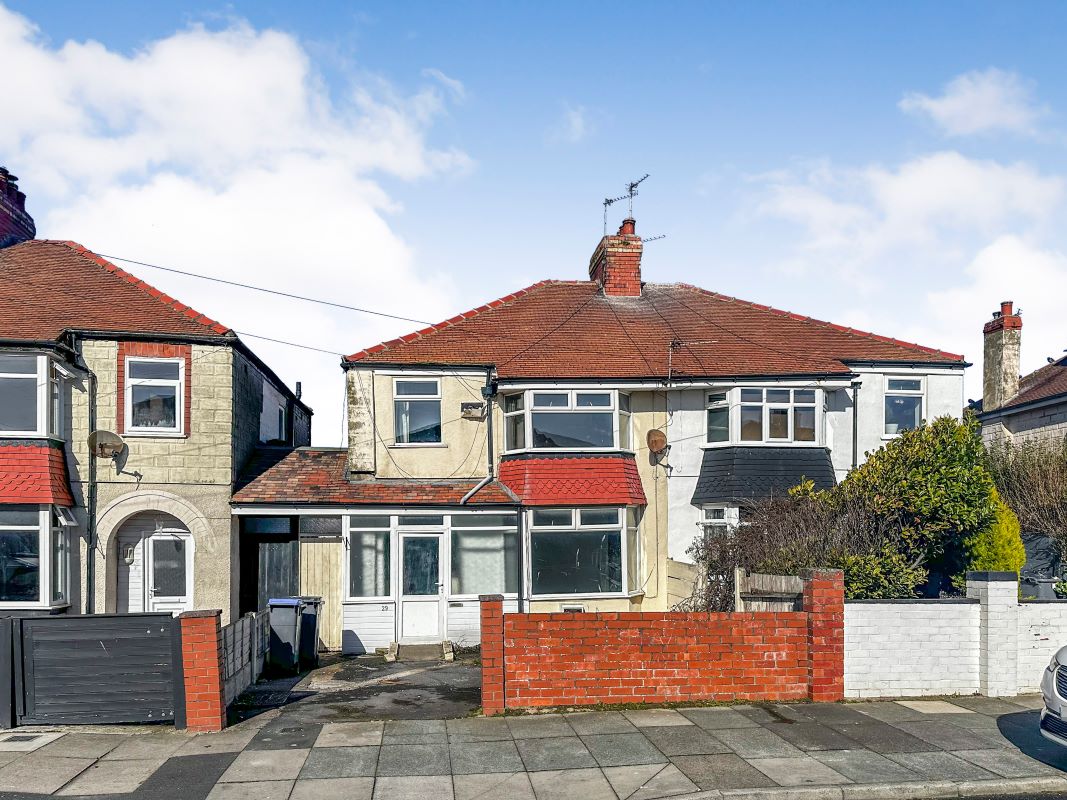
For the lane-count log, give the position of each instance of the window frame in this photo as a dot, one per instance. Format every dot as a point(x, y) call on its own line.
point(887, 393)
point(179, 391)
point(347, 529)
point(42, 386)
point(51, 524)
point(734, 403)
point(728, 522)
point(451, 528)
point(619, 418)
point(418, 398)
point(576, 525)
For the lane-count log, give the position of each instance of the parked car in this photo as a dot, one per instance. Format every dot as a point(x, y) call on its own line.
point(1054, 691)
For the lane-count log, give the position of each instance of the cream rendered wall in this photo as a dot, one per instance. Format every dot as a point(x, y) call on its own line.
point(462, 452)
point(188, 477)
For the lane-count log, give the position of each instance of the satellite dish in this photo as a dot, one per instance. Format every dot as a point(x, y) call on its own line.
point(656, 441)
point(105, 444)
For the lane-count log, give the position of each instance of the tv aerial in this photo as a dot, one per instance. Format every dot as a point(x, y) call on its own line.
point(630, 194)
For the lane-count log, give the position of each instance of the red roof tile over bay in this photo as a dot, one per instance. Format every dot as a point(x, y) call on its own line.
point(571, 329)
point(574, 481)
point(47, 287)
point(34, 472)
point(313, 476)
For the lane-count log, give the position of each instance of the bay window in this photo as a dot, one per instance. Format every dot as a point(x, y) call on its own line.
point(485, 554)
point(417, 411)
point(762, 416)
point(903, 404)
point(19, 392)
point(575, 419)
point(34, 555)
point(155, 395)
point(577, 552)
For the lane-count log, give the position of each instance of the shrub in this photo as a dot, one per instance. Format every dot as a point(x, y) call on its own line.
point(999, 546)
point(883, 575)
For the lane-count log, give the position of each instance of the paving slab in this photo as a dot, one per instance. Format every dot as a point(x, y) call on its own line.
point(716, 718)
point(907, 790)
point(863, 766)
point(9, 756)
point(415, 738)
point(756, 714)
point(396, 760)
point(23, 741)
point(627, 780)
point(282, 735)
point(471, 758)
point(148, 746)
point(252, 790)
point(972, 722)
point(421, 787)
point(414, 727)
point(622, 749)
point(786, 712)
point(667, 782)
point(934, 707)
point(265, 765)
point(831, 713)
point(340, 762)
point(350, 734)
point(684, 741)
point(1007, 763)
point(568, 784)
point(40, 774)
point(940, 766)
point(887, 711)
point(588, 722)
point(515, 786)
point(563, 753)
point(993, 706)
point(883, 738)
point(83, 745)
point(478, 729)
point(225, 742)
point(813, 736)
point(112, 777)
point(1033, 702)
point(798, 771)
point(539, 726)
point(656, 717)
point(323, 788)
point(725, 771)
point(187, 777)
point(944, 735)
point(757, 743)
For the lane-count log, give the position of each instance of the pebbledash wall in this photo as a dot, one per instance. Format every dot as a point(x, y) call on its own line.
point(560, 659)
point(987, 643)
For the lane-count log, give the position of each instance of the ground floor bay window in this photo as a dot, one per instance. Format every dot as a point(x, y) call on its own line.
point(34, 556)
point(584, 552)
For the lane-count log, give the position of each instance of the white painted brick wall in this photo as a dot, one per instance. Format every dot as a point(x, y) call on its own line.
point(1042, 631)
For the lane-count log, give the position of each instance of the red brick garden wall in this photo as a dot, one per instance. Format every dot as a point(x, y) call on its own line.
point(565, 659)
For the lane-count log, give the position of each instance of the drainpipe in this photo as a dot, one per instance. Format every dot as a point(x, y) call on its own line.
point(90, 498)
point(487, 393)
point(855, 424)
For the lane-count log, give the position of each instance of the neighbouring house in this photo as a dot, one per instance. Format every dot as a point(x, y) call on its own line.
point(1018, 408)
point(563, 446)
point(142, 522)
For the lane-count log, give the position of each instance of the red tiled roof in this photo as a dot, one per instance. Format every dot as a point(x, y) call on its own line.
point(317, 476)
point(1041, 384)
point(571, 329)
point(47, 287)
point(34, 472)
point(574, 480)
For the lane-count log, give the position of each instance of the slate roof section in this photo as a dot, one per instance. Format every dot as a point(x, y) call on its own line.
point(316, 476)
point(587, 480)
point(1041, 384)
point(34, 471)
point(730, 474)
point(571, 329)
point(48, 287)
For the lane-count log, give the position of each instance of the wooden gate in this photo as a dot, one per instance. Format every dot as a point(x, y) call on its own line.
point(100, 668)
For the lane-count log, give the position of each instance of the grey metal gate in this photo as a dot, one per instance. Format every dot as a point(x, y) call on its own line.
point(100, 668)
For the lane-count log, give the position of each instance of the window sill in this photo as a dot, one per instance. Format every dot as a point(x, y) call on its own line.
point(416, 446)
point(8, 605)
point(776, 443)
point(564, 450)
point(154, 435)
point(537, 598)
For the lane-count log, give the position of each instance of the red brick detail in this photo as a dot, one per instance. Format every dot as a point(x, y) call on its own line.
point(824, 602)
point(616, 262)
point(586, 480)
point(202, 652)
point(154, 350)
point(1005, 319)
point(34, 472)
point(492, 614)
point(568, 659)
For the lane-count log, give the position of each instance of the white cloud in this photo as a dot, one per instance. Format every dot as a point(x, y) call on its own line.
point(986, 101)
point(573, 126)
point(222, 152)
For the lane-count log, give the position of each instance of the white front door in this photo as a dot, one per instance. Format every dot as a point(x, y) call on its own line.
point(422, 589)
point(169, 571)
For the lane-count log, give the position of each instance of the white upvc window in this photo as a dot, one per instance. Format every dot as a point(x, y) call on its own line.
point(155, 396)
point(567, 419)
point(416, 411)
point(578, 552)
point(34, 556)
point(484, 550)
point(23, 407)
point(763, 415)
point(719, 519)
point(903, 403)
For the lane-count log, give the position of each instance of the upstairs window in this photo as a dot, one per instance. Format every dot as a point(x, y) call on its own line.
point(155, 395)
point(718, 417)
point(417, 411)
point(762, 416)
point(19, 404)
point(903, 404)
point(567, 420)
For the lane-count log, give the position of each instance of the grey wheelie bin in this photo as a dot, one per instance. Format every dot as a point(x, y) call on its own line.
point(310, 619)
point(286, 622)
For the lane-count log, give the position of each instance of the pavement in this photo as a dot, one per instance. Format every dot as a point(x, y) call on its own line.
point(321, 746)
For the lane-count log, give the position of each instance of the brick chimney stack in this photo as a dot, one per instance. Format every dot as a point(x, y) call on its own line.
point(1000, 361)
point(616, 262)
point(15, 224)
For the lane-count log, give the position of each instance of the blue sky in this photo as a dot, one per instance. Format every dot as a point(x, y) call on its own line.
point(899, 167)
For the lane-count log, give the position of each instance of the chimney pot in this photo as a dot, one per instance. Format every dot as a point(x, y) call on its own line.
point(628, 227)
point(1005, 308)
